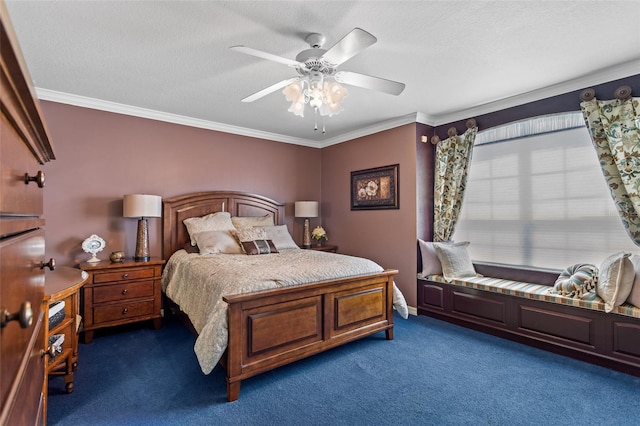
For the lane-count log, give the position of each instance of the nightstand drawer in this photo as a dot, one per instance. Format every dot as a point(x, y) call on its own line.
point(123, 275)
point(115, 292)
point(122, 311)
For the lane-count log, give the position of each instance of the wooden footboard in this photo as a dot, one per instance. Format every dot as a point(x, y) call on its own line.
point(272, 328)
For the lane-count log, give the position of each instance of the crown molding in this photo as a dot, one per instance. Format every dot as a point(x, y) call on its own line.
point(605, 75)
point(376, 128)
point(97, 104)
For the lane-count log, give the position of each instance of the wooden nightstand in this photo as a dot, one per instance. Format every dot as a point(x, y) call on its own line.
point(121, 293)
point(63, 285)
point(332, 249)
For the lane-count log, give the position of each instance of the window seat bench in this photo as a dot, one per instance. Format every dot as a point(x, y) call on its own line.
point(520, 307)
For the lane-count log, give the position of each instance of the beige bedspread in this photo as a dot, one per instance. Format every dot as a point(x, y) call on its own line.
point(197, 284)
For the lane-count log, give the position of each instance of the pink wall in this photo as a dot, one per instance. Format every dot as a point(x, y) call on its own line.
point(386, 236)
point(101, 156)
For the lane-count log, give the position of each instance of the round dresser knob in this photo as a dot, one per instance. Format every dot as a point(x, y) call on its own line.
point(51, 264)
point(24, 316)
point(38, 179)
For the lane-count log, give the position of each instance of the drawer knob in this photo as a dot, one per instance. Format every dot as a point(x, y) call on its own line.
point(38, 179)
point(51, 351)
point(51, 264)
point(24, 316)
point(125, 311)
point(125, 291)
point(125, 276)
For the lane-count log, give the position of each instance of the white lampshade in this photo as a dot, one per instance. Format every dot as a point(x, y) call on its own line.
point(142, 205)
point(306, 209)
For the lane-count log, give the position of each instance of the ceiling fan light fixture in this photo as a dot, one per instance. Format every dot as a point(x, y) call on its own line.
point(323, 94)
point(293, 91)
point(297, 108)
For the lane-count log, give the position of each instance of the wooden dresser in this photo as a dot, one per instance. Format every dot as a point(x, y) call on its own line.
point(121, 293)
point(24, 146)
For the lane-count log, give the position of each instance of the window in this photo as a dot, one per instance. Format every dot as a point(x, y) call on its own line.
point(536, 197)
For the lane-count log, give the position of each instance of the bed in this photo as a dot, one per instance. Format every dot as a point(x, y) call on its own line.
point(271, 327)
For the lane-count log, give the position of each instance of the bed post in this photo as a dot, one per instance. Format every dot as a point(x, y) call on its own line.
point(389, 331)
point(234, 350)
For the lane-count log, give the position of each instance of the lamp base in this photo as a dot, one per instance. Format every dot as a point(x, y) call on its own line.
point(142, 242)
point(306, 237)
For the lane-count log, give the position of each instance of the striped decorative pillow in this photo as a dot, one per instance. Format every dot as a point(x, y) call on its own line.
point(576, 280)
point(254, 241)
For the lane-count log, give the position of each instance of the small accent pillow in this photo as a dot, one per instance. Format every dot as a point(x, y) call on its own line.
point(430, 262)
point(254, 241)
point(214, 242)
point(634, 296)
point(220, 221)
point(242, 222)
point(190, 249)
point(617, 274)
point(280, 236)
point(576, 280)
point(455, 260)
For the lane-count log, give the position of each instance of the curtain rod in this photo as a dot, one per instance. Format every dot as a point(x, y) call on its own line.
point(623, 93)
point(453, 131)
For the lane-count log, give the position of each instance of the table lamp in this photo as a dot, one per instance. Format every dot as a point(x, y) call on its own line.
point(306, 209)
point(142, 206)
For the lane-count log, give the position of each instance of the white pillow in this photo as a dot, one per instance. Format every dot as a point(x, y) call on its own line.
point(634, 296)
point(617, 273)
point(280, 236)
point(250, 234)
point(220, 221)
point(430, 262)
point(213, 242)
point(455, 260)
point(242, 222)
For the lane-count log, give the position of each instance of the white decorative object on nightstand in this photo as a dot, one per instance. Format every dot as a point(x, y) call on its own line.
point(93, 245)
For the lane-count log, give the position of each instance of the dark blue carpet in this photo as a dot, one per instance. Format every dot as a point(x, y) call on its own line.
point(431, 373)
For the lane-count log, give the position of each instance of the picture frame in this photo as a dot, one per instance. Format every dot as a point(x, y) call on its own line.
point(376, 188)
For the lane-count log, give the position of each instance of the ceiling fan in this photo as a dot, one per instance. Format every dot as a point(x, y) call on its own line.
point(318, 82)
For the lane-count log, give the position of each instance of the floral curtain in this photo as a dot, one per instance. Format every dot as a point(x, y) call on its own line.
point(615, 131)
point(453, 156)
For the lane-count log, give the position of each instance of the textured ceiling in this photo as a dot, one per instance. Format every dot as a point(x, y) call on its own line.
point(171, 59)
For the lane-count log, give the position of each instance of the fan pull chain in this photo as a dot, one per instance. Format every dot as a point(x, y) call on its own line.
point(323, 130)
point(315, 112)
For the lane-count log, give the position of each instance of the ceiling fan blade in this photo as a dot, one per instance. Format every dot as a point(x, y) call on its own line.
point(349, 46)
point(264, 55)
point(270, 89)
point(369, 82)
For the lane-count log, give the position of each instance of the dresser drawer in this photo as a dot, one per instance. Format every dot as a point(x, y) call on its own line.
point(17, 197)
point(22, 281)
point(116, 292)
point(123, 275)
point(122, 311)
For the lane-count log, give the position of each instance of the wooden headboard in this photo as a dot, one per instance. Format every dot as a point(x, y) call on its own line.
point(177, 209)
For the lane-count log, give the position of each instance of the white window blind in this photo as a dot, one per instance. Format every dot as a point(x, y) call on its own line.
point(536, 197)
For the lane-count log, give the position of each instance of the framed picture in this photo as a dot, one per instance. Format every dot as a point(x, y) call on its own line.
point(375, 189)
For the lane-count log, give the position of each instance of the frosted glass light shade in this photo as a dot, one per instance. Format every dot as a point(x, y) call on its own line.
point(141, 205)
point(306, 209)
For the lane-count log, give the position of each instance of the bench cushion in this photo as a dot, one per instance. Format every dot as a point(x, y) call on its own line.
point(541, 292)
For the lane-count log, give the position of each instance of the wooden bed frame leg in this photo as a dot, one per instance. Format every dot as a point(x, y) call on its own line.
point(233, 390)
point(389, 333)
